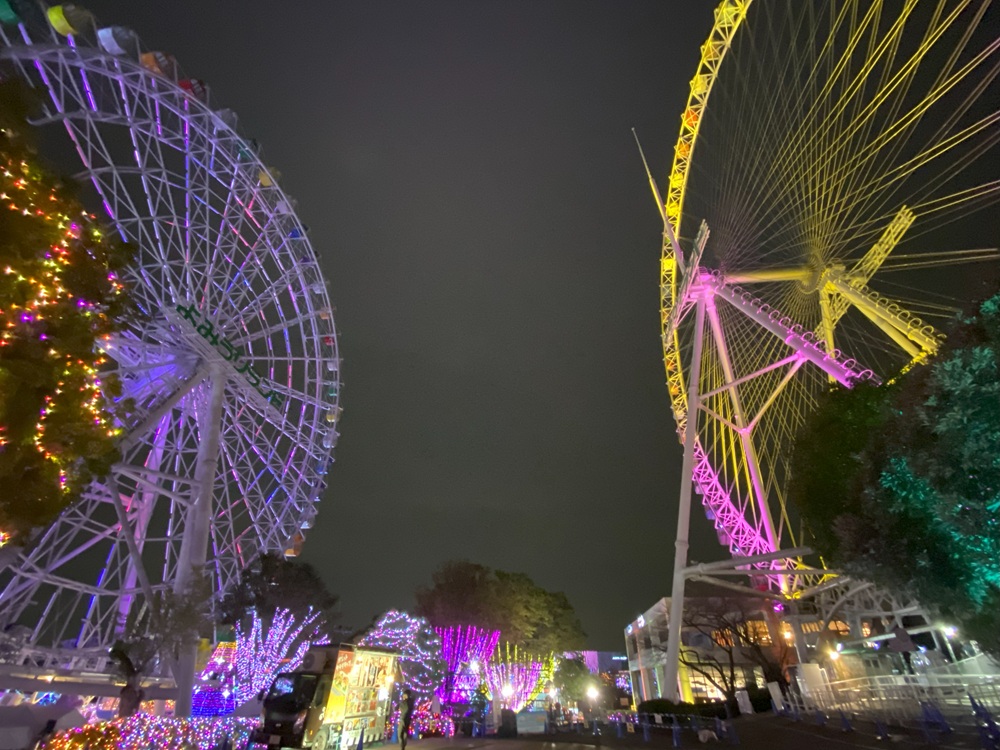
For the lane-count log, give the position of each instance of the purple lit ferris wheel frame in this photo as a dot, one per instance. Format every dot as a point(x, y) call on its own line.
point(234, 369)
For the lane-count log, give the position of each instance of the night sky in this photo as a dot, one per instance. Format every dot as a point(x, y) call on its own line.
point(469, 177)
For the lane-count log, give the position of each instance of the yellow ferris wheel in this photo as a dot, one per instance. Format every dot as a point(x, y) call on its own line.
point(816, 230)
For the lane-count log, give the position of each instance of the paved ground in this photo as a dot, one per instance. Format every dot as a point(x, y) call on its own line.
point(754, 733)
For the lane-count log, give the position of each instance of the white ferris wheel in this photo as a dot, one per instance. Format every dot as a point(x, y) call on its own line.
point(234, 370)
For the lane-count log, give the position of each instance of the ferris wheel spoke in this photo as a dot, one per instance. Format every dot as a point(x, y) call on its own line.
point(118, 201)
point(76, 107)
point(257, 427)
point(246, 302)
point(256, 507)
point(76, 531)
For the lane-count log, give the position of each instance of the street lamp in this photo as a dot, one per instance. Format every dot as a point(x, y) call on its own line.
point(592, 693)
point(950, 631)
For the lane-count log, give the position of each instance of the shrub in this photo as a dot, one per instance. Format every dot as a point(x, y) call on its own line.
point(663, 706)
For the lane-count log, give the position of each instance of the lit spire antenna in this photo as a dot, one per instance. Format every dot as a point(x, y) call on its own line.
point(668, 231)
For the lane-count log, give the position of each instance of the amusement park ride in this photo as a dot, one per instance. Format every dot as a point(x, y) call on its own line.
point(817, 139)
point(234, 370)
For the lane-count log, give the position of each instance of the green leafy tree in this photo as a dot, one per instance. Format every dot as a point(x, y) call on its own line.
point(901, 484)
point(530, 617)
point(572, 678)
point(61, 294)
point(460, 593)
point(275, 582)
point(154, 636)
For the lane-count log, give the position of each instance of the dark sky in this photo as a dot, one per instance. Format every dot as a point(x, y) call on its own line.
point(472, 188)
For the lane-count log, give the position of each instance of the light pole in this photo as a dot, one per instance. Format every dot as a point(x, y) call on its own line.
point(506, 691)
point(592, 693)
point(950, 631)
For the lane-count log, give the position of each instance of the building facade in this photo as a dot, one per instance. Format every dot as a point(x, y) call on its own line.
point(718, 633)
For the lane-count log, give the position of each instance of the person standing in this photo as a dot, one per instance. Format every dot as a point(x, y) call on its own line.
point(903, 644)
point(405, 717)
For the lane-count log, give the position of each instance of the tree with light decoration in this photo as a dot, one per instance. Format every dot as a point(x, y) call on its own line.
point(465, 649)
point(529, 616)
point(279, 608)
point(262, 652)
point(516, 676)
point(61, 296)
point(419, 648)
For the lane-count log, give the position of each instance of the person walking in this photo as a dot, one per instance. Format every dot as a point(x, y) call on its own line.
point(405, 717)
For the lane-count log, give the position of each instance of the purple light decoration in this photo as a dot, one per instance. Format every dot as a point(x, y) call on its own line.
point(218, 699)
point(466, 649)
point(513, 679)
point(240, 670)
point(589, 658)
point(260, 656)
point(419, 648)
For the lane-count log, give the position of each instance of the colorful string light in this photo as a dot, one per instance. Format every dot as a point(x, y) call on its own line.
point(516, 677)
point(418, 646)
point(218, 699)
point(142, 731)
point(241, 669)
point(465, 649)
point(60, 299)
point(260, 656)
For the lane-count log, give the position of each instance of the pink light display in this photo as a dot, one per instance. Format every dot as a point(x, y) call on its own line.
point(425, 723)
point(466, 650)
point(514, 677)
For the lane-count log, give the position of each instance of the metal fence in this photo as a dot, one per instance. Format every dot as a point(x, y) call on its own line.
point(905, 700)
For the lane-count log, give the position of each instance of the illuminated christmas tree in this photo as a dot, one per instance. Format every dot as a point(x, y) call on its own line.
point(419, 647)
point(61, 297)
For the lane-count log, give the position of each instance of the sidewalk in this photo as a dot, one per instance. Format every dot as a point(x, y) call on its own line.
point(760, 732)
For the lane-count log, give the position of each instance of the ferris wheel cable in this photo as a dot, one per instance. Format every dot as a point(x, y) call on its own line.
point(888, 48)
point(903, 127)
point(942, 262)
point(758, 150)
point(963, 255)
point(968, 200)
point(790, 150)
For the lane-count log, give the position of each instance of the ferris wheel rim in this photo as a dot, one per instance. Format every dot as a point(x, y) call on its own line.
point(727, 18)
